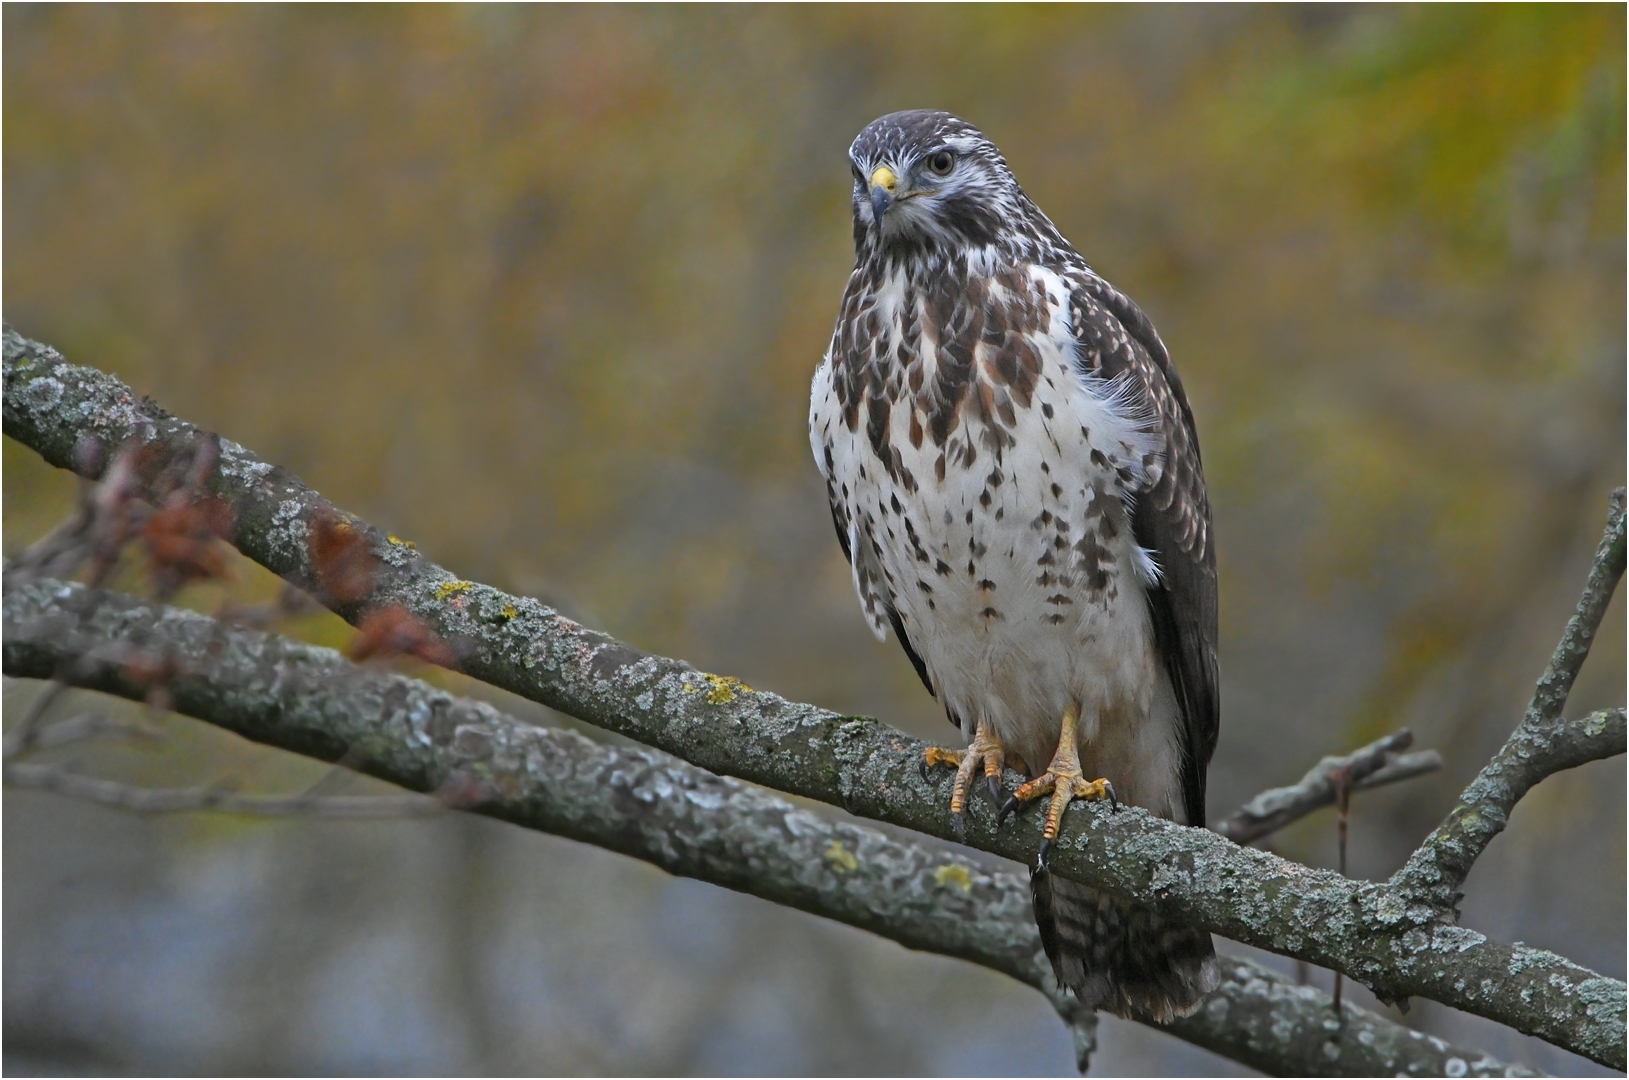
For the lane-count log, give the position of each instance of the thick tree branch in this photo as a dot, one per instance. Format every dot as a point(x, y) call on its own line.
point(1381, 762)
point(1541, 745)
point(642, 803)
point(1373, 932)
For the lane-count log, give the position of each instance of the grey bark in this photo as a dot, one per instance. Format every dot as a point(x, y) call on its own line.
point(1394, 940)
point(642, 803)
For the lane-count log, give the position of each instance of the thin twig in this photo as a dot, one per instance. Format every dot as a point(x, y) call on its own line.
point(92, 726)
point(1381, 762)
point(1343, 817)
point(347, 765)
point(1402, 767)
point(21, 739)
point(148, 800)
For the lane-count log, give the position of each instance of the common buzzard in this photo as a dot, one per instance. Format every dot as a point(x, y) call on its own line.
point(1015, 479)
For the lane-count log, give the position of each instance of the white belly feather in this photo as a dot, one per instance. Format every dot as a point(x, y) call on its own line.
point(1012, 564)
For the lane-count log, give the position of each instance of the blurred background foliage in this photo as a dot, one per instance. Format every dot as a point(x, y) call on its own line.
point(542, 288)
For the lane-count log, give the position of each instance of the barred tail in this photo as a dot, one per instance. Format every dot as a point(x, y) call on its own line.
point(1118, 956)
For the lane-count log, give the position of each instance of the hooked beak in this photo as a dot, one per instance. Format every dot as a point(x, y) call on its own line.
point(883, 186)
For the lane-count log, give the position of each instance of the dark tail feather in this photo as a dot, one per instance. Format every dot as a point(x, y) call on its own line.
point(1118, 956)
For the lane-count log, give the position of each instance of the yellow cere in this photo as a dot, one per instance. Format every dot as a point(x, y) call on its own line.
point(841, 858)
point(884, 178)
point(951, 876)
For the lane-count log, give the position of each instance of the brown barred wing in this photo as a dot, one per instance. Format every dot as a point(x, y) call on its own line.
point(1171, 519)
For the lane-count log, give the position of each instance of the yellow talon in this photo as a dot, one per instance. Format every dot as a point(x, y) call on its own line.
point(986, 750)
point(1063, 779)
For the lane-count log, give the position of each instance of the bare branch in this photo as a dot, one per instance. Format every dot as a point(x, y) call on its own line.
point(1378, 763)
point(1402, 767)
point(648, 805)
point(1541, 745)
point(21, 738)
point(86, 726)
point(1372, 932)
point(145, 800)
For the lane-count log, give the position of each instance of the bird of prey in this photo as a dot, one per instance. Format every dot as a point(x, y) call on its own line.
point(1014, 476)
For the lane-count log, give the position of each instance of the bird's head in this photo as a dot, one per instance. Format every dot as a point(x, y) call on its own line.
point(925, 179)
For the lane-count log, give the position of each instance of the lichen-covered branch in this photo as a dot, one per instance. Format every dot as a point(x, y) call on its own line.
point(1381, 762)
point(1541, 745)
point(651, 806)
point(1388, 940)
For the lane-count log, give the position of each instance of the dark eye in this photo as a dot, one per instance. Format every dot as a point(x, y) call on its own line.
point(941, 163)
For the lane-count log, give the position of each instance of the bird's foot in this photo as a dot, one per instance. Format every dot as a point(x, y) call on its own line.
point(1065, 787)
point(1065, 782)
point(985, 750)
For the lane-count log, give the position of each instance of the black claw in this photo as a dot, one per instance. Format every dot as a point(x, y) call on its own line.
point(1114, 803)
point(1044, 854)
point(922, 767)
point(958, 822)
point(995, 790)
point(1006, 808)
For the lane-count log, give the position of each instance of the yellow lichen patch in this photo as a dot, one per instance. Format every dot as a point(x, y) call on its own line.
point(722, 688)
point(399, 542)
point(841, 858)
point(510, 611)
point(951, 876)
point(447, 588)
